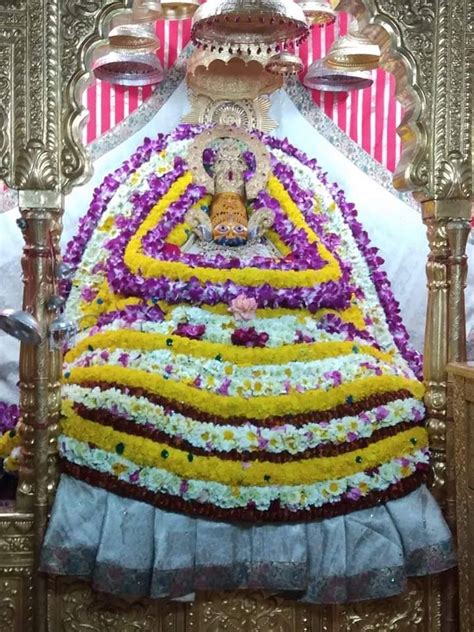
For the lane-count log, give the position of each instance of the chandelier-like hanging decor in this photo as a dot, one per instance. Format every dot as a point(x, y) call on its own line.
point(129, 59)
point(146, 11)
point(178, 9)
point(249, 25)
point(354, 51)
point(140, 38)
point(318, 12)
point(129, 68)
point(284, 64)
point(229, 77)
point(320, 77)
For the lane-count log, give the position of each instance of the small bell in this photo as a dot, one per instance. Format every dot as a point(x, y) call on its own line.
point(319, 77)
point(318, 12)
point(61, 332)
point(354, 51)
point(284, 64)
point(64, 271)
point(179, 9)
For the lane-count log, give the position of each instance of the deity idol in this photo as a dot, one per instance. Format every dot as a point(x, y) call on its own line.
point(242, 408)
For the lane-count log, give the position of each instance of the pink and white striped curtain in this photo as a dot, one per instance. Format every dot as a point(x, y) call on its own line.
point(370, 117)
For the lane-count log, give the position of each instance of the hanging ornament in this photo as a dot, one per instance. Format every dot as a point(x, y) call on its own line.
point(284, 64)
point(140, 38)
point(61, 332)
point(320, 77)
point(146, 11)
point(318, 12)
point(245, 25)
point(228, 77)
point(354, 51)
point(128, 68)
point(21, 325)
point(178, 9)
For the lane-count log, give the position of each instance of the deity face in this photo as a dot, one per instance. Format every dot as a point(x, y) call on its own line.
point(229, 220)
point(230, 233)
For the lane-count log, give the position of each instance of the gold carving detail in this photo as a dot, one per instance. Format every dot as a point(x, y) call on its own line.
point(246, 612)
point(75, 607)
point(85, 26)
point(16, 566)
point(247, 114)
point(426, 46)
point(463, 413)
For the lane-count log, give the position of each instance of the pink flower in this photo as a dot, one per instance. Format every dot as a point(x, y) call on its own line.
point(123, 359)
point(301, 337)
point(354, 493)
point(335, 376)
point(88, 294)
point(134, 476)
point(243, 307)
point(224, 387)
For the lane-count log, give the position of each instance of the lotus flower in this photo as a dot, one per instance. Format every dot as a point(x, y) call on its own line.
point(243, 307)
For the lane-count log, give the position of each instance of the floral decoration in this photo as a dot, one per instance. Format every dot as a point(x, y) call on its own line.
point(9, 438)
point(272, 387)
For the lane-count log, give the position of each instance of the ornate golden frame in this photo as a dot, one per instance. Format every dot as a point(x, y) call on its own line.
point(46, 47)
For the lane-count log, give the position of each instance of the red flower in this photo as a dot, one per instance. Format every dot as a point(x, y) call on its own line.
point(249, 337)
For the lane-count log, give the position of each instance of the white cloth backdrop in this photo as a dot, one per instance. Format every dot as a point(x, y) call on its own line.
point(395, 228)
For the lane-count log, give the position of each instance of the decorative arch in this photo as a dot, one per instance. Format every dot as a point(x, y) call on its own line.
point(390, 29)
point(85, 27)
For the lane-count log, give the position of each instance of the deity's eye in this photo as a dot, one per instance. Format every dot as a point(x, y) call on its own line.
point(222, 229)
point(239, 228)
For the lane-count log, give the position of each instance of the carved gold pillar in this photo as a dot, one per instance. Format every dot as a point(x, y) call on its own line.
point(40, 371)
point(42, 61)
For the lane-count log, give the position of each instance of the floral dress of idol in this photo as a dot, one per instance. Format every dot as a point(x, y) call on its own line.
point(242, 408)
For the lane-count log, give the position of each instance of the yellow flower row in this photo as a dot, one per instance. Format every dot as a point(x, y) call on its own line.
point(148, 453)
point(7, 443)
point(261, 407)
point(140, 263)
point(105, 301)
point(242, 356)
point(279, 244)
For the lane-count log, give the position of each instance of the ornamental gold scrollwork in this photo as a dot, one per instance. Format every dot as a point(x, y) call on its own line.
point(247, 114)
point(75, 607)
point(16, 555)
point(462, 413)
point(405, 613)
point(247, 612)
point(426, 46)
point(85, 25)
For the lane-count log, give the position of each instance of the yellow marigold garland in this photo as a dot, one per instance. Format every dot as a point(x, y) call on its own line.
point(147, 453)
point(8, 441)
point(242, 356)
point(139, 263)
point(233, 406)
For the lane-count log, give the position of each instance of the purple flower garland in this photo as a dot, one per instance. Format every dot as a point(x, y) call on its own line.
point(374, 261)
point(9, 416)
